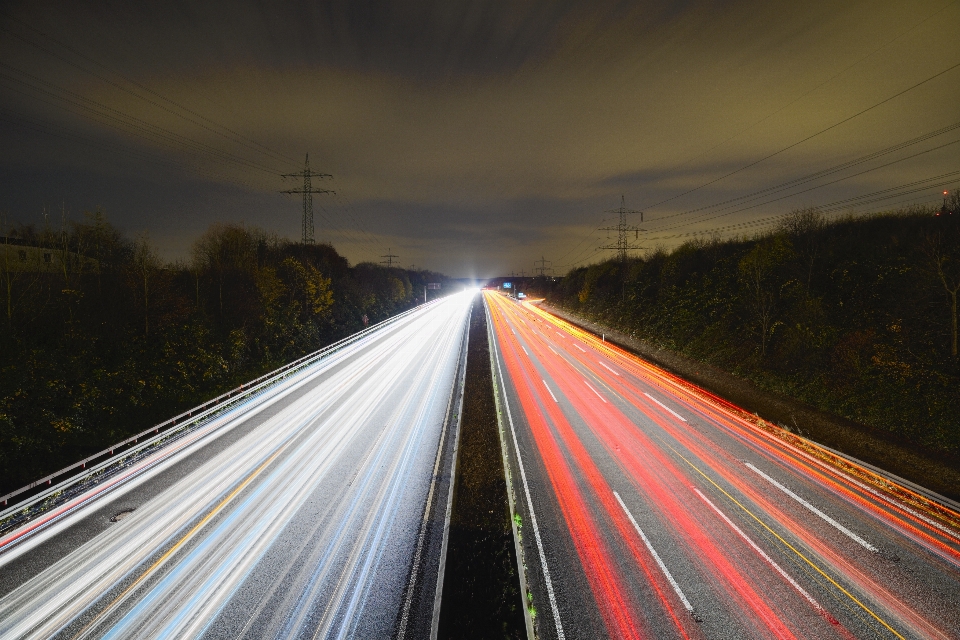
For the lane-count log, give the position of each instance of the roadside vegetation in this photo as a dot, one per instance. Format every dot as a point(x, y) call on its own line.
point(100, 339)
point(857, 316)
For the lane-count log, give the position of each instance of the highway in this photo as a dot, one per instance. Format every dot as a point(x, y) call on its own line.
point(312, 510)
point(649, 508)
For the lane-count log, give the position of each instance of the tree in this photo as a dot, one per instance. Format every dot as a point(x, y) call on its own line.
point(145, 265)
point(225, 250)
point(758, 273)
point(308, 289)
point(942, 250)
point(805, 228)
point(18, 268)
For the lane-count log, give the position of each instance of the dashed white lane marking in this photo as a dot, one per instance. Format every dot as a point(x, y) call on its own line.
point(533, 516)
point(753, 545)
point(656, 556)
point(525, 350)
point(596, 392)
point(550, 392)
point(579, 347)
point(675, 414)
point(560, 334)
point(839, 527)
point(611, 370)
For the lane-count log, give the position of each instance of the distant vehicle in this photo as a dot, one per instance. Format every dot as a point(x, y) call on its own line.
point(521, 295)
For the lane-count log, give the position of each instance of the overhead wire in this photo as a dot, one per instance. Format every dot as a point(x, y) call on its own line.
point(58, 132)
point(207, 123)
point(819, 86)
point(839, 205)
point(824, 172)
point(121, 121)
point(585, 238)
point(355, 216)
point(796, 193)
point(147, 131)
point(809, 137)
point(831, 170)
point(351, 235)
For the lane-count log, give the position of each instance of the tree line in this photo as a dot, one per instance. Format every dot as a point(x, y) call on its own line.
point(101, 338)
point(856, 316)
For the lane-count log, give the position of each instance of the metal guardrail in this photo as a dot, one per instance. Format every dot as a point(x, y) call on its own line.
point(194, 415)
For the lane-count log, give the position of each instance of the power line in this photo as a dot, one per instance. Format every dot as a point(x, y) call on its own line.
point(582, 260)
point(351, 235)
point(355, 216)
point(822, 84)
point(834, 169)
point(760, 204)
point(123, 122)
point(810, 137)
point(210, 125)
point(585, 238)
point(840, 205)
point(933, 182)
point(796, 193)
point(307, 192)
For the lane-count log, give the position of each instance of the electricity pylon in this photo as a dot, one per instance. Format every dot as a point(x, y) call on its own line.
point(307, 191)
point(389, 258)
point(623, 242)
point(544, 266)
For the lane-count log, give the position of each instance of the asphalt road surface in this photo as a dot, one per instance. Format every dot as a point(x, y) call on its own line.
point(650, 509)
point(300, 513)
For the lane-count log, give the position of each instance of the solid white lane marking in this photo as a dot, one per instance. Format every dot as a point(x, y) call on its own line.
point(763, 555)
point(550, 392)
point(552, 349)
point(656, 556)
point(579, 347)
point(526, 489)
point(675, 414)
point(525, 350)
point(839, 527)
point(611, 370)
point(887, 499)
point(596, 392)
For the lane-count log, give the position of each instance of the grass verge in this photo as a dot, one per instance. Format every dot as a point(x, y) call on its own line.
point(481, 589)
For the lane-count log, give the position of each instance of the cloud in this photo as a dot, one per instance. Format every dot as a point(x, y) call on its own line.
point(454, 128)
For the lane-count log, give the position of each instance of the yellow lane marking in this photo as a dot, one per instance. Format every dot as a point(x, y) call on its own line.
point(180, 542)
point(785, 543)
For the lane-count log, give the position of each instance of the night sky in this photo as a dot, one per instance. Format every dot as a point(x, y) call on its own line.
point(475, 137)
